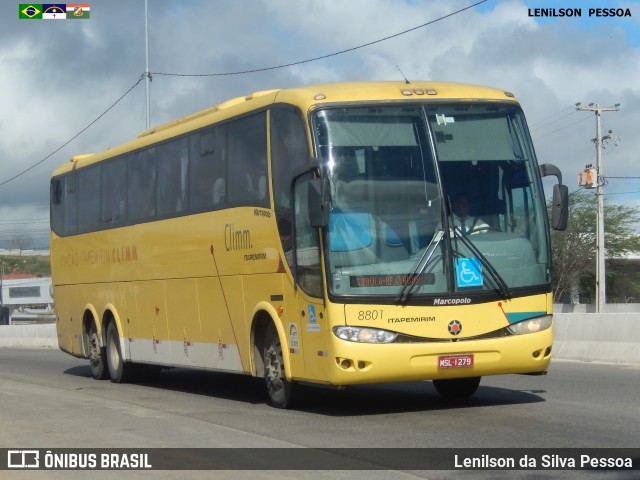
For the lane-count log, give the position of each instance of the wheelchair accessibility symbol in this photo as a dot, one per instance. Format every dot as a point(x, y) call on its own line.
point(468, 272)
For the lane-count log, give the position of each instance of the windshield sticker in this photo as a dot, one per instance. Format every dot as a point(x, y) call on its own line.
point(443, 119)
point(468, 272)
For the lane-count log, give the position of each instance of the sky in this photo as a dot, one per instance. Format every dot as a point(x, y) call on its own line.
point(62, 82)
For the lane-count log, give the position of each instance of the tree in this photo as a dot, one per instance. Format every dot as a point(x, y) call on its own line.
point(574, 250)
point(20, 242)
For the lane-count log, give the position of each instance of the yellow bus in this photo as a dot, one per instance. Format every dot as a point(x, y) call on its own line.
point(312, 236)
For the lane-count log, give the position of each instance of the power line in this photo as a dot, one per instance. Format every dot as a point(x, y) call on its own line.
point(621, 193)
point(551, 116)
point(25, 220)
point(575, 192)
point(559, 129)
point(30, 233)
point(545, 125)
point(31, 204)
point(147, 74)
point(74, 137)
point(291, 64)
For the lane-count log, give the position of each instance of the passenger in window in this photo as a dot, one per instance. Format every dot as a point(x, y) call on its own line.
point(257, 177)
point(219, 191)
point(147, 206)
point(461, 218)
point(202, 195)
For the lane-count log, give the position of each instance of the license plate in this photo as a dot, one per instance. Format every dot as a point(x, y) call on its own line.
point(455, 361)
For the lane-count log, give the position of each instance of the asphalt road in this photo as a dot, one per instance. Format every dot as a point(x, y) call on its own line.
point(49, 400)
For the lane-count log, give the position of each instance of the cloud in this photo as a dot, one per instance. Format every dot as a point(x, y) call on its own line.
point(57, 77)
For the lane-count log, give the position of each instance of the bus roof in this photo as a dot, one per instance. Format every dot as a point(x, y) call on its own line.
point(306, 98)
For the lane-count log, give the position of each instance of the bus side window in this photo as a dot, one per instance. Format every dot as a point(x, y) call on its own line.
point(89, 185)
point(289, 150)
point(207, 169)
point(114, 191)
point(170, 183)
point(307, 247)
point(70, 201)
point(57, 206)
point(141, 189)
point(247, 162)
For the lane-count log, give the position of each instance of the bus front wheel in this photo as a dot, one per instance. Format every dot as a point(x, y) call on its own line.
point(457, 387)
point(280, 391)
point(119, 370)
point(96, 353)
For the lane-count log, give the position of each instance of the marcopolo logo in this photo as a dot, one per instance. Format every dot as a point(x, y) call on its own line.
point(452, 301)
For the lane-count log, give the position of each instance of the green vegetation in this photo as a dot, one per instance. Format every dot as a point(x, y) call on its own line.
point(574, 252)
point(37, 266)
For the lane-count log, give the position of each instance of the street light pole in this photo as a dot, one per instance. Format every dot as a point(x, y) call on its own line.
point(601, 298)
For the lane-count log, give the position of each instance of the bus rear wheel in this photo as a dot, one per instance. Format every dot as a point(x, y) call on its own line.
point(119, 370)
point(457, 387)
point(96, 353)
point(281, 392)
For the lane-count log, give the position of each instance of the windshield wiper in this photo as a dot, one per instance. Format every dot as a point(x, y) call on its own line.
point(414, 276)
point(503, 288)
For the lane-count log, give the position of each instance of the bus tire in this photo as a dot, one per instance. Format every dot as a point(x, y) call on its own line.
point(97, 354)
point(281, 393)
point(453, 388)
point(119, 370)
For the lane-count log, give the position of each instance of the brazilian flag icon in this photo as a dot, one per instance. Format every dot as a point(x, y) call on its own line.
point(30, 10)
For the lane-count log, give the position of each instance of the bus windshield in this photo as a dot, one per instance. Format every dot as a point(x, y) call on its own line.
point(427, 200)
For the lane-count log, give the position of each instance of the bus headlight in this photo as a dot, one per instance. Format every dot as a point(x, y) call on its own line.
point(364, 335)
point(531, 326)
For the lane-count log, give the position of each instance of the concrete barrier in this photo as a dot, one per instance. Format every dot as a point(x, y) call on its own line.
point(44, 335)
point(597, 337)
point(610, 337)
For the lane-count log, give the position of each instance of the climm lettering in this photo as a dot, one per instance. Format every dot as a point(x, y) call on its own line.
point(125, 254)
point(236, 239)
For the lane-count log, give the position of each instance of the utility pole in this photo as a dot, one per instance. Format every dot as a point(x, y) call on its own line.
point(1, 297)
point(601, 298)
point(147, 74)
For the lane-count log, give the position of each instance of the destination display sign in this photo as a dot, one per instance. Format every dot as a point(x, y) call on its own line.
point(391, 280)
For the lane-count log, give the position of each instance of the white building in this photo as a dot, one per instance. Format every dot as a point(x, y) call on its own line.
point(26, 300)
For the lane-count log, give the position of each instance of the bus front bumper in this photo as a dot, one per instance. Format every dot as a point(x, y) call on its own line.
point(359, 363)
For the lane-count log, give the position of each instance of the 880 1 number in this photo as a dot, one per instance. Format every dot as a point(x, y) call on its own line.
point(365, 315)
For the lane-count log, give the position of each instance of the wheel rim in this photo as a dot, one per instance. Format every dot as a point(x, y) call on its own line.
point(274, 375)
point(94, 349)
point(114, 354)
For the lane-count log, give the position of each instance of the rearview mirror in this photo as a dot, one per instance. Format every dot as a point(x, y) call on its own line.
point(318, 208)
point(560, 207)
